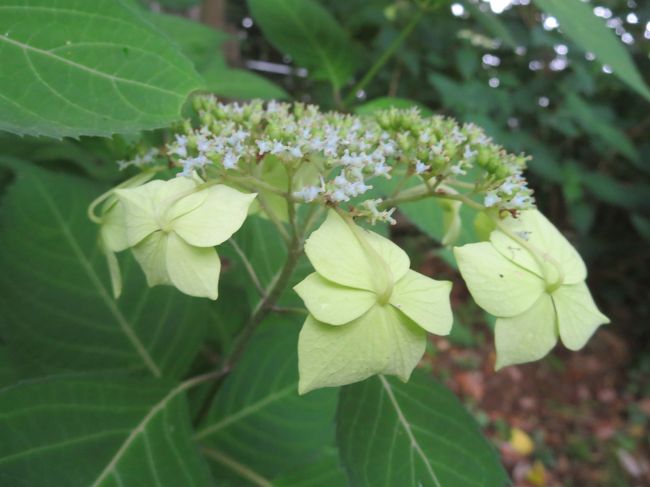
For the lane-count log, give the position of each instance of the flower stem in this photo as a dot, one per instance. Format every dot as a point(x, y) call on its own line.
point(422, 191)
point(271, 295)
point(265, 306)
point(248, 266)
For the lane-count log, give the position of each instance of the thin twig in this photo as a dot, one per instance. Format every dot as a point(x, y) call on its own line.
point(240, 468)
point(273, 218)
point(248, 266)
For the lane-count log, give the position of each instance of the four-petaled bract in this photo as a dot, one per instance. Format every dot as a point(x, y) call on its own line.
point(173, 226)
point(369, 313)
point(534, 284)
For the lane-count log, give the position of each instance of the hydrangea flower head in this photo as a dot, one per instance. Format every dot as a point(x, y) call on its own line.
point(172, 227)
point(369, 313)
point(534, 285)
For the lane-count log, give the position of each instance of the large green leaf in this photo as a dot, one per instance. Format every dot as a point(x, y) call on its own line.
point(267, 259)
point(327, 471)
point(200, 43)
point(579, 23)
point(57, 308)
point(240, 84)
point(412, 434)
point(593, 123)
point(258, 423)
point(93, 431)
point(310, 35)
point(7, 371)
point(75, 67)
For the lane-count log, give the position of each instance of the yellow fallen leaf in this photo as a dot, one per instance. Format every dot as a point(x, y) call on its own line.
point(521, 442)
point(537, 474)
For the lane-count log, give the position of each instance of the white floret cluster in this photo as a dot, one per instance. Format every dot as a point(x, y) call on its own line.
point(347, 151)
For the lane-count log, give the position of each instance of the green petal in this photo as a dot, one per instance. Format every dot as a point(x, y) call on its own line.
point(497, 285)
point(542, 234)
point(528, 336)
point(221, 214)
point(151, 254)
point(338, 256)
point(113, 269)
point(382, 341)
point(193, 270)
point(178, 196)
point(332, 303)
point(425, 301)
point(113, 228)
point(139, 210)
point(578, 316)
point(154, 205)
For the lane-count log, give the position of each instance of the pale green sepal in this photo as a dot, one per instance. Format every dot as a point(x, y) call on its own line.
point(425, 301)
point(528, 336)
point(193, 270)
point(221, 213)
point(151, 254)
point(578, 316)
point(113, 228)
point(113, 269)
point(176, 197)
point(382, 341)
point(332, 303)
point(139, 210)
point(398, 261)
point(337, 254)
point(499, 286)
point(533, 227)
point(156, 205)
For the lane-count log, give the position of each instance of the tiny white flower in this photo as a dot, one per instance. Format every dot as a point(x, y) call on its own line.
point(421, 167)
point(491, 199)
point(230, 160)
point(381, 170)
point(457, 170)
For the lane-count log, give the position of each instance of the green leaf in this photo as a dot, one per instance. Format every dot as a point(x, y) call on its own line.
point(8, 373)
point(415, 433)
point(179, 4)
point(240, 84)
point(200, 43)
point(310, 35)
point(590, 33)
point(326, 471)
point(87, 68)
point(58, 311)
point(92, 431)
point(594, 124)
point(69, 153)
point(258, 423)
point(266, 259)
